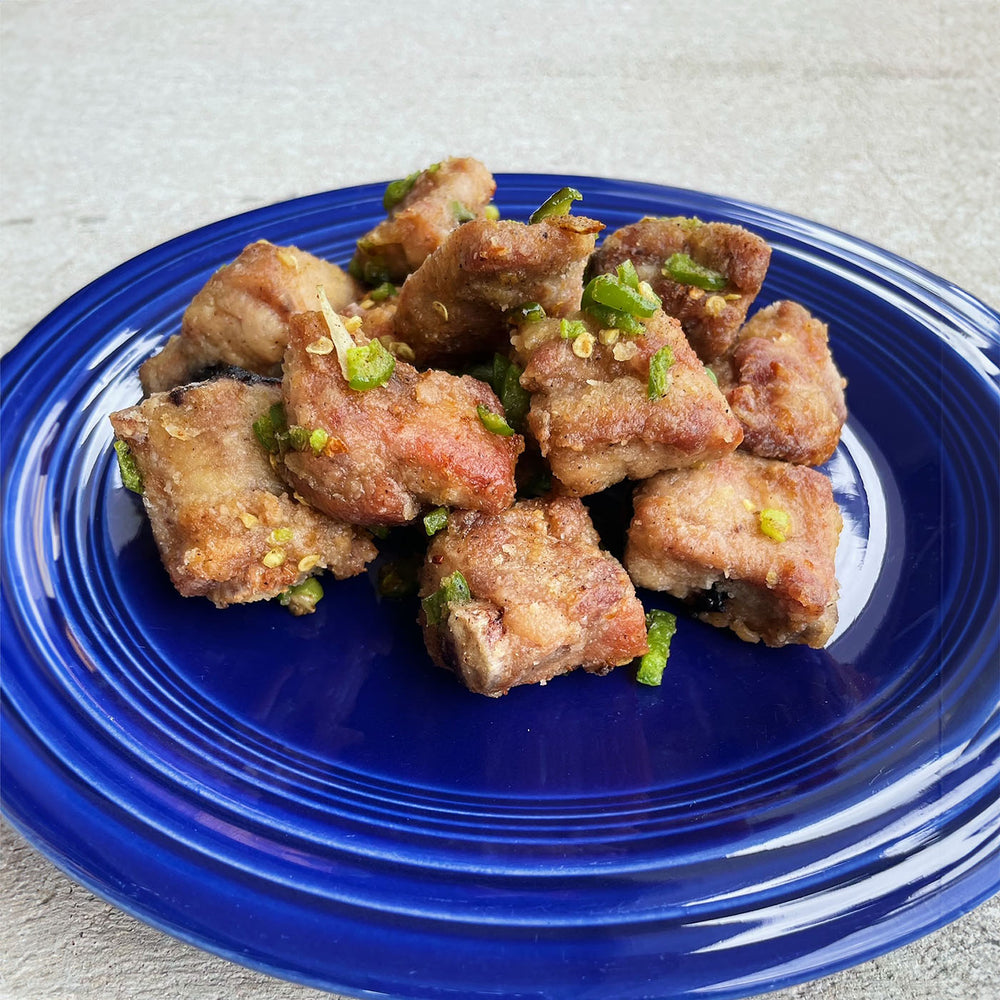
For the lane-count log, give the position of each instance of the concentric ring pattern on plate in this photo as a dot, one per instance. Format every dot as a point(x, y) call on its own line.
point(764, 816)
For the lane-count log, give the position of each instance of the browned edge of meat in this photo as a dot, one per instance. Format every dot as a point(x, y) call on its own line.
point(783, 386)
point(240, 316)
point(225, 525)
point(417, 441)
point(453, 307)
point(441, 198)
point(750, 542)
point(545, 598)
point(711, 319)
point(591, 413)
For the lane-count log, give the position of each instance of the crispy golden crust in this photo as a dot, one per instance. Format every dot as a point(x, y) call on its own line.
point(453, 307)
point(783, 386)
point(436, 204)
point(545, 598)
point(241, 315)
point(416, 441)
point(592, 416)
point(225, 525)
point(697, 532)
point(710, 320)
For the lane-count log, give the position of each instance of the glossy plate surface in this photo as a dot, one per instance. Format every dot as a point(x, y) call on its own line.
point(312, 797)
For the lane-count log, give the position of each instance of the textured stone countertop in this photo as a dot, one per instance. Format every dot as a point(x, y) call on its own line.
point(129, 123)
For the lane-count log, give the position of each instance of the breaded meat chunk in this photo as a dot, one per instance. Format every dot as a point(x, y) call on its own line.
point(420, 439)
point(225, 525)
point(422, 210)
point(525, 595)
point(240, 317)
point(749, 542)
point(706, 273)
point(783, 386)
point(453, 307)
point(594, 414)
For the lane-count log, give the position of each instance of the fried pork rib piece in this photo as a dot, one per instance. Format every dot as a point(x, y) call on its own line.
point(433, 202)
point(750, 543)
point(543, 597)
point(736, 260)
point(453, 307)
point(240, 317)
point(416, 440)
point(591, 412)
point(783, 386)
point(225, 525)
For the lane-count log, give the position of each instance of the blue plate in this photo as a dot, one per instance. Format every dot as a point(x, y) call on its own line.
point(313, 798)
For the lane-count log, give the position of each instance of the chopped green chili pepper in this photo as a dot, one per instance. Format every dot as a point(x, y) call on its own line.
point(493, 422)
point(270, 427)
point(396, 191)
point(612, 318)
point(435, 520)
point(369, 366)
point(683, 269)
point(775, 523)
point(659, 372)
point(660, 629)
point(515, 399)
point(627, 274)
point(461, 212)
point(711, 375)
point(570, 329)
point(398, 578)
point(303, 597)
point(384, 291)
point(298, 438)
point(453, 590)
point(370, 270)
point(556, 204)
point(609, 290)
point(318, 440)
point(131, 476)
point(527, 312)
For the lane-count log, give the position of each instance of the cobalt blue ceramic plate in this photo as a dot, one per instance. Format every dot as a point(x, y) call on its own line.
point(313, 798)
